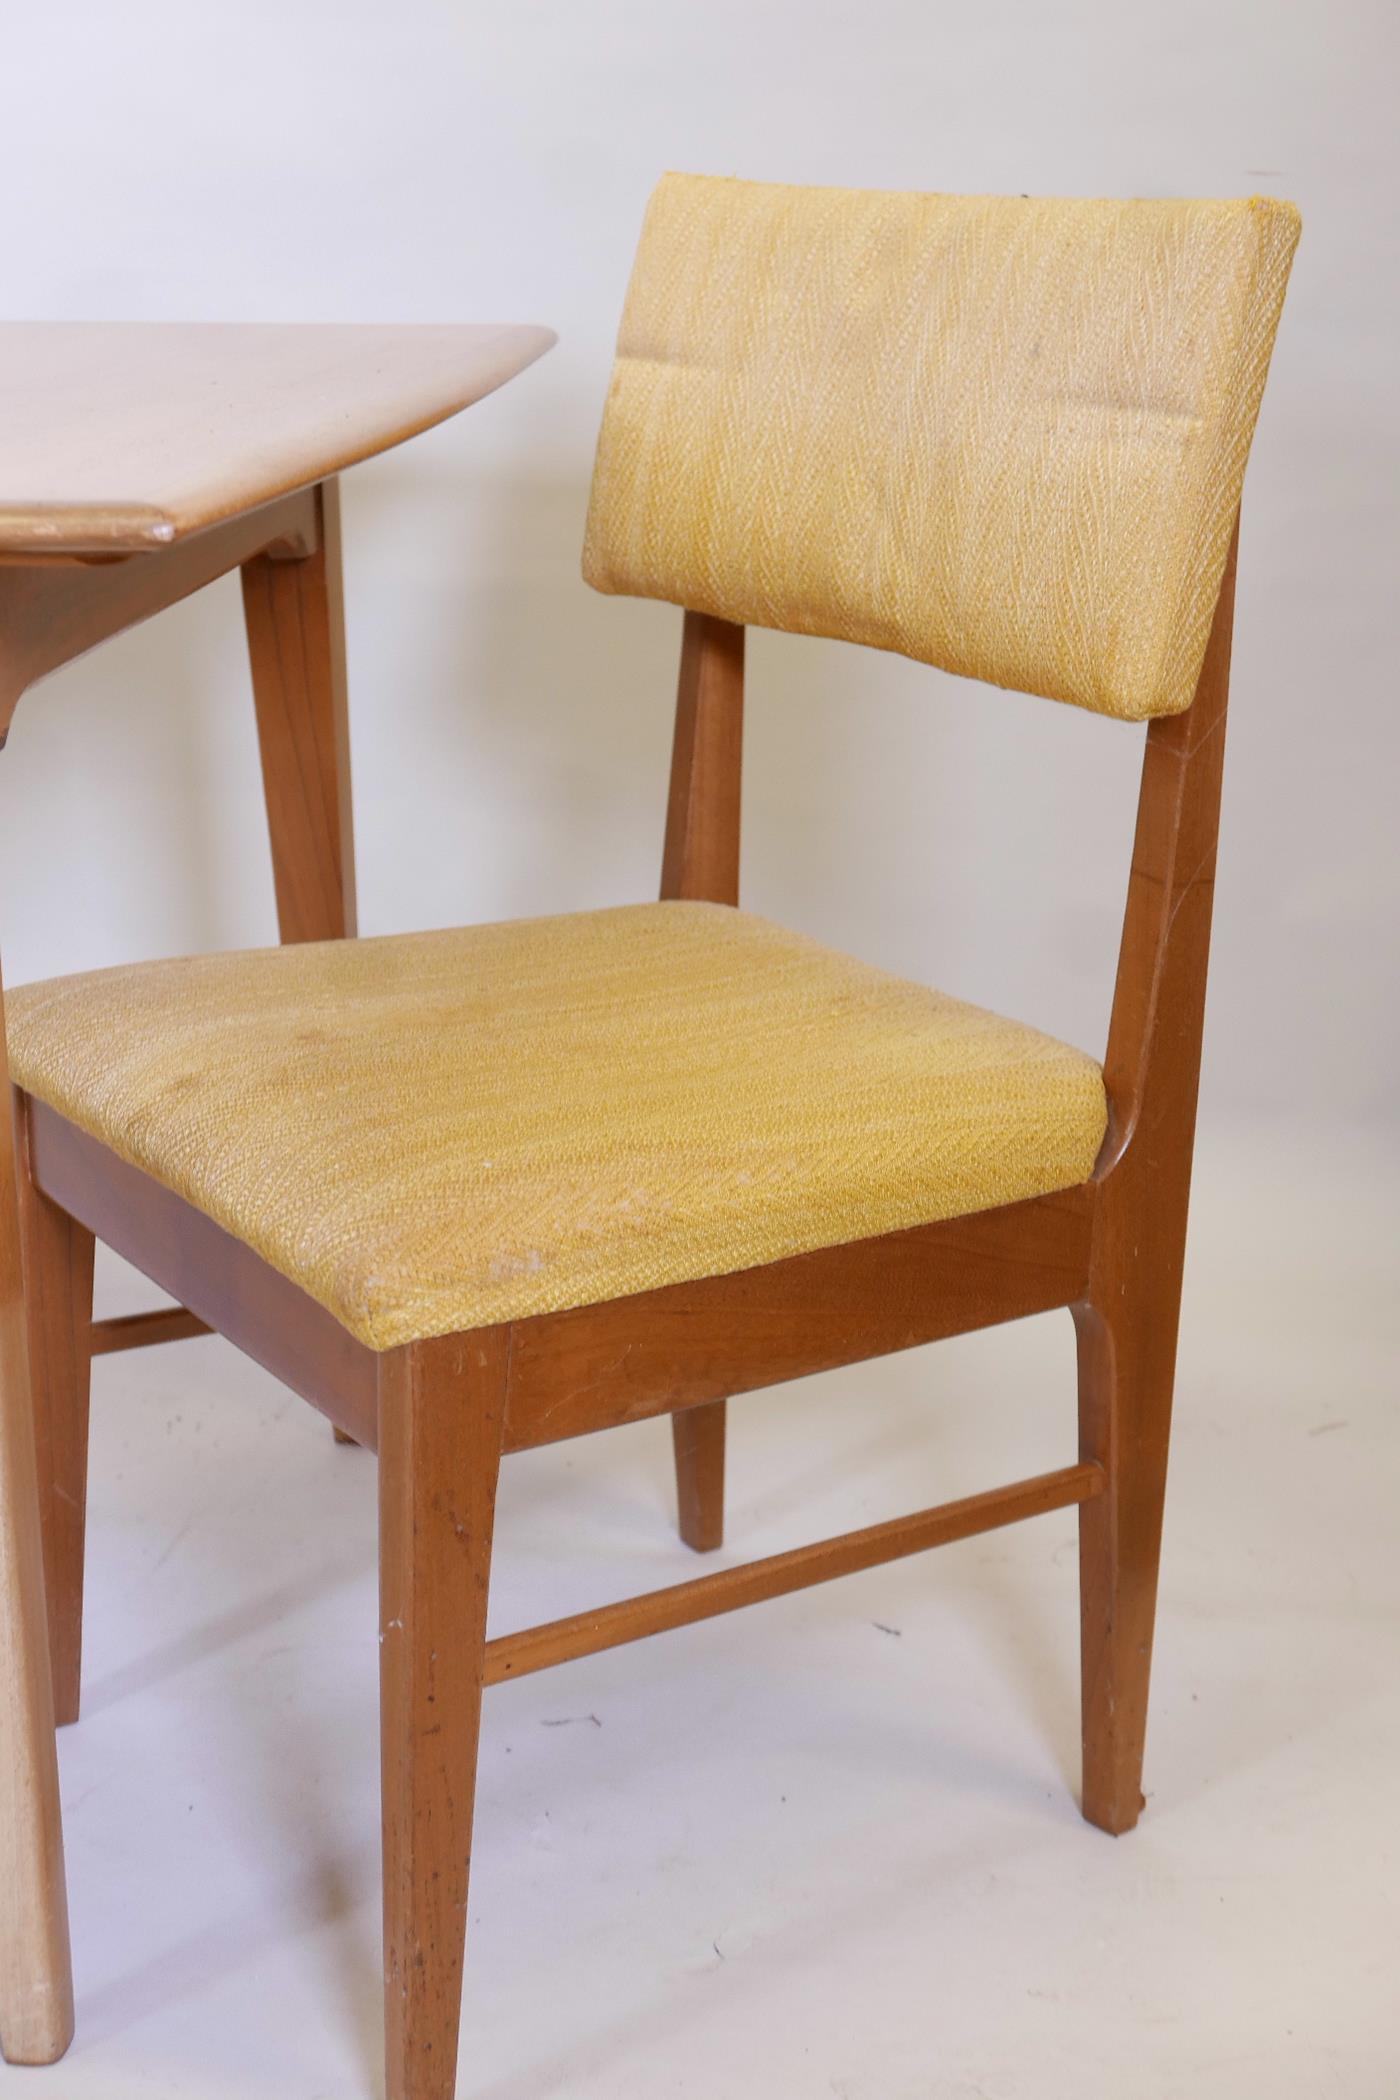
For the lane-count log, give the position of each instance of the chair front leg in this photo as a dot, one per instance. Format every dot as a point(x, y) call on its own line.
point(441, 1413)
point(58, 1262)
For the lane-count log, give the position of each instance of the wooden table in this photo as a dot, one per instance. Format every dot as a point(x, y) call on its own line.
point(139, 463)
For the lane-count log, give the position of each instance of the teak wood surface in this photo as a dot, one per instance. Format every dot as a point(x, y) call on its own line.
point(36, 1984)
point(137, 434)
point(149, 461)
point(443, 1411)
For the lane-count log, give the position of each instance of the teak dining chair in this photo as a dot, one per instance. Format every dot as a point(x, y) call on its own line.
point(469, 1192)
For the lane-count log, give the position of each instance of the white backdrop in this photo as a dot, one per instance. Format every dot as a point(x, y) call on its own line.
point(429, 161)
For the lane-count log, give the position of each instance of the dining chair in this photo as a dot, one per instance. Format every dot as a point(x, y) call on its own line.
point(474, 1191)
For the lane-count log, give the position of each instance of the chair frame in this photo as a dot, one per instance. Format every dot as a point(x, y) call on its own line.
point(441, 1413)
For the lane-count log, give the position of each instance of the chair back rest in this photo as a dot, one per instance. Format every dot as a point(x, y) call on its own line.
point(1003, 435)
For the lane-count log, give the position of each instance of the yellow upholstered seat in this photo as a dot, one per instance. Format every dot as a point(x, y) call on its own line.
point(439, 1131)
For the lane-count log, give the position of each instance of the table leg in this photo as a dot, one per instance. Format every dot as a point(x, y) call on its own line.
point(36, 1982)
point(294, 611)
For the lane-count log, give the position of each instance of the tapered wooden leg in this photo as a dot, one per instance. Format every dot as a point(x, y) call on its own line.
point(698, 1435)
point(294, 614)
point(36, 1984)
point(1127, 1359)
point(441, 1409)
point(701, 860)
point(1127, 1327)
point(293, 609)
point(58, 1261)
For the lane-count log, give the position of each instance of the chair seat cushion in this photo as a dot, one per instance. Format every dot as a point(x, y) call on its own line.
point(439, 1131)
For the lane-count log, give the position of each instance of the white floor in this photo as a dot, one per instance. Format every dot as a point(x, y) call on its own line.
point(825, 1847)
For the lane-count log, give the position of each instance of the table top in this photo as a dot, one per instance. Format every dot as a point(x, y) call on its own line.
point(122, 437)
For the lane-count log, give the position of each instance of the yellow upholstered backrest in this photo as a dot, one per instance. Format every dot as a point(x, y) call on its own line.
point(1002, 435)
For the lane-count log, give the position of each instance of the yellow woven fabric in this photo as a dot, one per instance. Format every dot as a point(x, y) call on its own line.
point(440, 1131)
point(1002, 435)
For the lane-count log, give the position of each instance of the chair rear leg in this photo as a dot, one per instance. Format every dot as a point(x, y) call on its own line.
point(698, 1436)
point(441, 1409)
point(1127, 1360)
point(58, 1260)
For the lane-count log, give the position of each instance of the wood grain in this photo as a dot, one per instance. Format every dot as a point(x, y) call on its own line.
point(701, 860)
point(689, 1343)
point(441, 1407)
point(167, 1323)
point(295, 617)
point(170, 456)
point(1127, 1321)
point(660, 1611)
point(58, 1261)
point(698, 1437)
point(701, 854)
point(52, 613)
point(136, 435)
point(36, 1983)
point(442, 1411)
point(223, 1283)
point(294, 612)
point(620, 1361)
